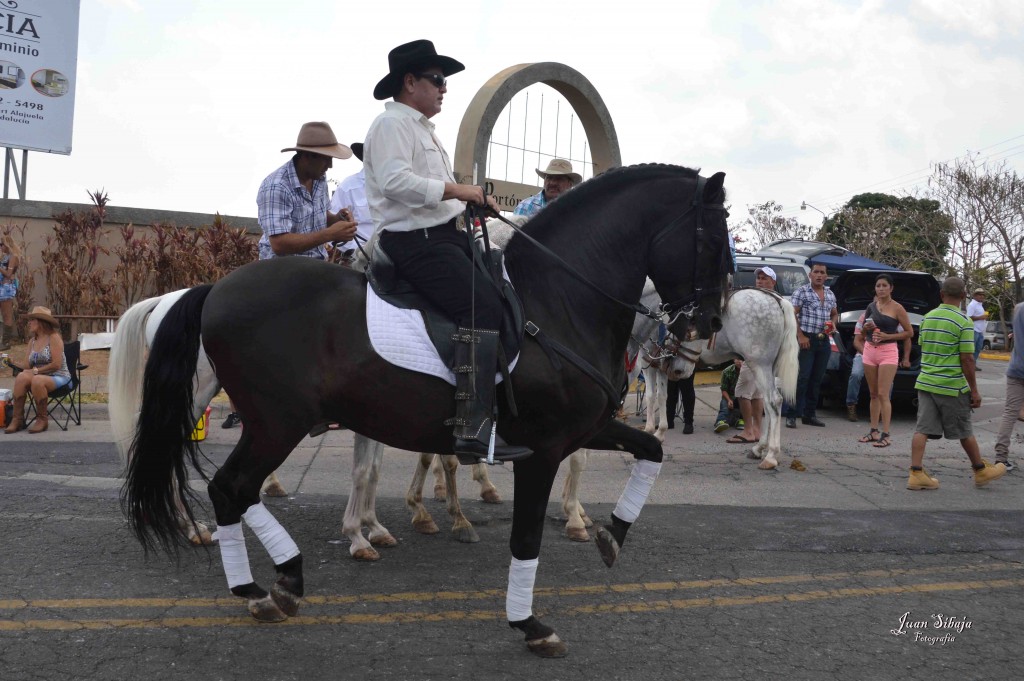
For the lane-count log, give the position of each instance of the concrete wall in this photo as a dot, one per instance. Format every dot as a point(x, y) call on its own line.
point(38, 217)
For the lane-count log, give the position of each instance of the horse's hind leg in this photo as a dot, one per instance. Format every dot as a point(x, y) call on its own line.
point(488, 492)
point(234, 491)
point(577, 521)
point(440, 490)
point(272, 486)
point(422, 521)
point(367, 456)
point(461, 527)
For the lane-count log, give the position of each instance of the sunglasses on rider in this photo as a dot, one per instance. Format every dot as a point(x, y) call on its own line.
point(437, 79)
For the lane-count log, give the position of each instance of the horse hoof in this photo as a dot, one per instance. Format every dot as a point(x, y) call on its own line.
point(587, 522)
point(285, 600)
point(275, 489)
point(751, 454)
point(607, 545)
point(768, 465)
point(367, 554)
point(384, 540)
point(440, 493)
point(266, 610)
point(201, 538)
point(466, 535)
point(549, 646)
point(577, 534)
point(425, 526)
point(490, 496)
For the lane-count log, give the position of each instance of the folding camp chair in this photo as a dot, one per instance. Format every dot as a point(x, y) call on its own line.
point(63, 402)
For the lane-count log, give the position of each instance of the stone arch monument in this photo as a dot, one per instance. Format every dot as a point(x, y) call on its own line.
point(491, 99)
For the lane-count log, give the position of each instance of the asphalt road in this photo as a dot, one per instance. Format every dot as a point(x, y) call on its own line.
point(730, 573)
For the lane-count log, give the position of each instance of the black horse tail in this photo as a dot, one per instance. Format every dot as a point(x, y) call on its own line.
point(156, 490)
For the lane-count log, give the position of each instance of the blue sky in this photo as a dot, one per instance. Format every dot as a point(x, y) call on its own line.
point(185, 105)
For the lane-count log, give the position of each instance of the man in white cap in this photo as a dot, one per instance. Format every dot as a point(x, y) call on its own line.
point(293, 203)
point(558, 179)
point(351, 194)
point(751, 401)
point(976, 313)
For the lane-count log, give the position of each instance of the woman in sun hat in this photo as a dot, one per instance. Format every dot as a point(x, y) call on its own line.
point(45, 370)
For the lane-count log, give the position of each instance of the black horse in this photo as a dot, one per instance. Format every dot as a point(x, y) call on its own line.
point(288, 340)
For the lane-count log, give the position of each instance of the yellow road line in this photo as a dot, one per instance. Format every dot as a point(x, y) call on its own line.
point(488, 594)
point(492, 615)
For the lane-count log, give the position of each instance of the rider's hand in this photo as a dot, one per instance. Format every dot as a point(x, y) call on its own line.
point(342, 230)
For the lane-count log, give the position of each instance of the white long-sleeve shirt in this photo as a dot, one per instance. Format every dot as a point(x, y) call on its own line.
point(406, 170)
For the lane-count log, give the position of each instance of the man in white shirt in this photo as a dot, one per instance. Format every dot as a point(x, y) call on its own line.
point(351, 194)
point(414, 201)
point(976, 313)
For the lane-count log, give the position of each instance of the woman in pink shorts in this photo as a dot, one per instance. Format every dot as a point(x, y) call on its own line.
point(885, 324)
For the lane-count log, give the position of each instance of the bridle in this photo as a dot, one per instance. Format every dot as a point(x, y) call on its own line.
point(666, 313)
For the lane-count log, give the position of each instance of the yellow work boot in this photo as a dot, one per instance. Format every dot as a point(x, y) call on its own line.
point(921, 480)
point(983, 476)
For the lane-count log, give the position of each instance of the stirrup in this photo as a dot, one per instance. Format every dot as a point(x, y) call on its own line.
point(470, 452)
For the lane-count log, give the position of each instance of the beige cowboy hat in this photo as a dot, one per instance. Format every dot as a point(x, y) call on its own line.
point(318, 138)
point(409, 58)
point(43, 313)
point(559, 166)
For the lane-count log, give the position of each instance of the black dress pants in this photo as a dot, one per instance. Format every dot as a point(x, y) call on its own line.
point(439, 263)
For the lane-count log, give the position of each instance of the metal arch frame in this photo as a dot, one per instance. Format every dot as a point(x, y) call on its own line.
point(491, 99)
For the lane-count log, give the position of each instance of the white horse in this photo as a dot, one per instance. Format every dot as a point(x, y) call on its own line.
point(135, 332)
point(759, 327)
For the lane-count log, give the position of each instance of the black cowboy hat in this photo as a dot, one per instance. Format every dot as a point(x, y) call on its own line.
point(419, 54)
point(357, 149)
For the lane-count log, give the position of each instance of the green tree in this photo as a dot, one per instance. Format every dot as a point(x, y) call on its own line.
point(905, 232)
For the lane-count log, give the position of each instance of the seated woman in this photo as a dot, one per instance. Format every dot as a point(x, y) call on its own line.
point(45, 370)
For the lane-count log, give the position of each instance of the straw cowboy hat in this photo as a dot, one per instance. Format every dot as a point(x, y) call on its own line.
point(411, 57)
point(42, 313)
point(559, 166)
point(318, 138)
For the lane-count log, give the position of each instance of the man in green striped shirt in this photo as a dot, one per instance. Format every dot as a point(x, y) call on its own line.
point(946, 388)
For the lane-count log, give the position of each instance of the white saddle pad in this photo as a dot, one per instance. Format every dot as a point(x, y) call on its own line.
point(400, 336)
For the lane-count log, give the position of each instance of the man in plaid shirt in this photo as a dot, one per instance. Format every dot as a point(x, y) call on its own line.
point(293, 204)
point(816, 316)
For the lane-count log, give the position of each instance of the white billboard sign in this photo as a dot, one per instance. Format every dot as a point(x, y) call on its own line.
point(38, 62)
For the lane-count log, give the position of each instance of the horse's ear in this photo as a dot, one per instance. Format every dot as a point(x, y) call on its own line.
point(713, 187)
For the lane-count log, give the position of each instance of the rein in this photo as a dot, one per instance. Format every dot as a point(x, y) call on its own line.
point(687, 306)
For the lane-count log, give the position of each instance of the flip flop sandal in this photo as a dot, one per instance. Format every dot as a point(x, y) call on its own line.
point(870, 437)
point(739, 440)
point(882, 441)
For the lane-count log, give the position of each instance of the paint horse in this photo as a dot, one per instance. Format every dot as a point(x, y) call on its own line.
point(664, 222)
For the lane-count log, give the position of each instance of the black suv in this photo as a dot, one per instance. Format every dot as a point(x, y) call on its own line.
point(917, 292)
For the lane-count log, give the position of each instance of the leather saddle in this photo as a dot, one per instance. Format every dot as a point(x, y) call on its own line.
point(388, 285)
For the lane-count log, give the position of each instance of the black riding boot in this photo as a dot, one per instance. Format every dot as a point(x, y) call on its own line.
point(475, 366)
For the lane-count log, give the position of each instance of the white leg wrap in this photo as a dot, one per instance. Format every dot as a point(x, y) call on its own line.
point(233, 555)
point(274, 537)
point(519, 598)
point(633, 498)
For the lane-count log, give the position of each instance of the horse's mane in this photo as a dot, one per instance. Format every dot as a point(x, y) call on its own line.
point(602, 185)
